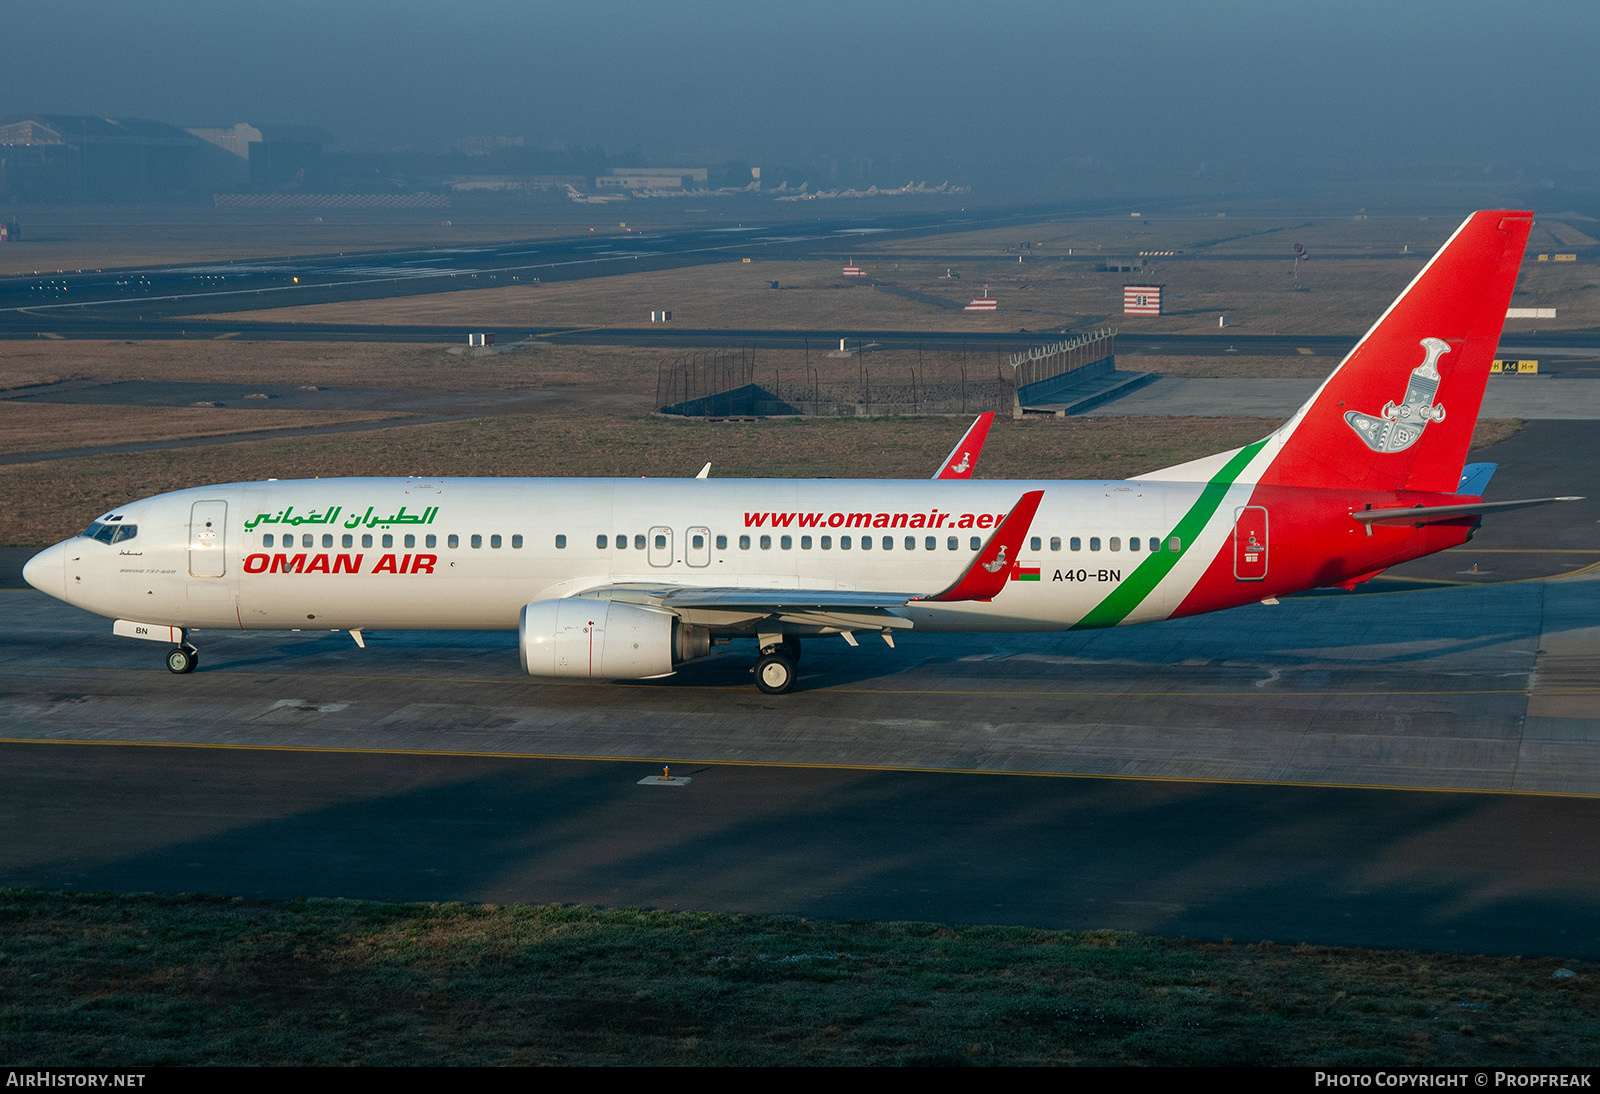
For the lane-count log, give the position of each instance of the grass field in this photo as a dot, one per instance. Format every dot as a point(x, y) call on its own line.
point(131, 981)
point(43, 502)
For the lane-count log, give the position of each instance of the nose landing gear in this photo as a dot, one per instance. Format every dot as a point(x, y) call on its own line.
point(182, 659)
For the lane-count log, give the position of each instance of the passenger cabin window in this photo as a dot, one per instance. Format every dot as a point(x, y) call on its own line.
point(1075, 543)
point(1055, 543)
point(974, 543)
point(661, 542)
point(477, 542)
point(388, 541)
point(1116, 543)
point(1174, 545)
point(766, 543)
point(516, 543)
point(453, 542)
point(427, 541)
point(1035, 544)
point(410, 541)
point(930, 544)
point(638, 543)
point(600, 542)
point(827, 543)
point(722, 543)
point(327, 541)
point(786, 542)
point(350, 541)
point(1094, 543)
point(561, 543)
point(266, 540)
point(952, 544)
point(494, 542)
point(744, 543)
point(366, 540)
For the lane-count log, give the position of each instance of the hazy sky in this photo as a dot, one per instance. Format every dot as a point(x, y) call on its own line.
point(933, 88)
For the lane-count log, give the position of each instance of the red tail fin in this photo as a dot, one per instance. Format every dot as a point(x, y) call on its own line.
point(1398, 412)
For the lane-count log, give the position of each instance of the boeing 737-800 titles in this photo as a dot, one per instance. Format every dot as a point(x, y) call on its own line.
point(629, 578)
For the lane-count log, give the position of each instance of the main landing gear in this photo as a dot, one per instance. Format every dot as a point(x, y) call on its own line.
point(775, 667)
point(182, 659)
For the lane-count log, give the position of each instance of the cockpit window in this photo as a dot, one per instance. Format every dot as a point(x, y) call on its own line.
point(111, 533)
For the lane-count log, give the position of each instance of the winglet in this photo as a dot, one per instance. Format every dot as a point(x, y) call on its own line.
point(990, 571)
point(964, 456)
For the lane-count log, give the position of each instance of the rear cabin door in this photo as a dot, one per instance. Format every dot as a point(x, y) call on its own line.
point(1250, 543)
point(208, 521)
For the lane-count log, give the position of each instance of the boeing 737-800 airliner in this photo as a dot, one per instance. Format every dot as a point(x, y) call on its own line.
point(629, 578)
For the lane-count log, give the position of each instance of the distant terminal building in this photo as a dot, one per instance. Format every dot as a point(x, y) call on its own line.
point(78, 158)
point(81, 158)
point(1141, 299)
point(853, 270)
point(983, 303)
point(653, 178)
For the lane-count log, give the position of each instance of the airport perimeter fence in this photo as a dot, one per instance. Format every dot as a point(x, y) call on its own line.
point(731, 384)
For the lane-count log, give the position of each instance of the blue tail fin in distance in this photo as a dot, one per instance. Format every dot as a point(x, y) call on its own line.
point(1475, 478)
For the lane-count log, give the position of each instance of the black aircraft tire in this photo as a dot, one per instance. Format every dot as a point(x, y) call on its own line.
point(774, 673)
point(181, 660)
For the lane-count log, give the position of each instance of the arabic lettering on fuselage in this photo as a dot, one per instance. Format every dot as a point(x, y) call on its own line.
point(330, 516)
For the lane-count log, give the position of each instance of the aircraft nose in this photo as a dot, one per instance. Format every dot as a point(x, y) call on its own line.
point(47, 571)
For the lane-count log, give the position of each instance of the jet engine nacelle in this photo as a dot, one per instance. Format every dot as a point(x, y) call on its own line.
point(605, 640)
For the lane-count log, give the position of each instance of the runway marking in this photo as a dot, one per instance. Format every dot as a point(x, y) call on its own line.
point(799, 766)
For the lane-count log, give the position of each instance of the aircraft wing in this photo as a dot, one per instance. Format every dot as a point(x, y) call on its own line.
point(963, 457)
point(983, 579)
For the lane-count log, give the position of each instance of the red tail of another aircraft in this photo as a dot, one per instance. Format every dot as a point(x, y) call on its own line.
point(1398, 413)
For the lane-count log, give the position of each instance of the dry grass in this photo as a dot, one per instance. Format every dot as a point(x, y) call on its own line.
point(147, 980)
point(43, 502)
point(27, 427)
point(333, 364)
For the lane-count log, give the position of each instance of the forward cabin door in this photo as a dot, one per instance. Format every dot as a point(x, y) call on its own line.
point(1250, 543)
point(208, 522)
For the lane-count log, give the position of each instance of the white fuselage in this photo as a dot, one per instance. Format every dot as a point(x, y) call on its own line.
point(469, 553)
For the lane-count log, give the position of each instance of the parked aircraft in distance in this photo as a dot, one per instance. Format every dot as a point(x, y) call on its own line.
point(630, 578)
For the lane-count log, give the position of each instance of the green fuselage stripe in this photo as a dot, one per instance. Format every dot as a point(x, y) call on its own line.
point(1139, 584)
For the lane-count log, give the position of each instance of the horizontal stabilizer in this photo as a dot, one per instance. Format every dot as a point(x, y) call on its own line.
point(1427, 514)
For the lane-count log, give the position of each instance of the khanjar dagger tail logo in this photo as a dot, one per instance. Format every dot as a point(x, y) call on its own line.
point(1398, 425)
point(999, 561)
point(963, 465)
